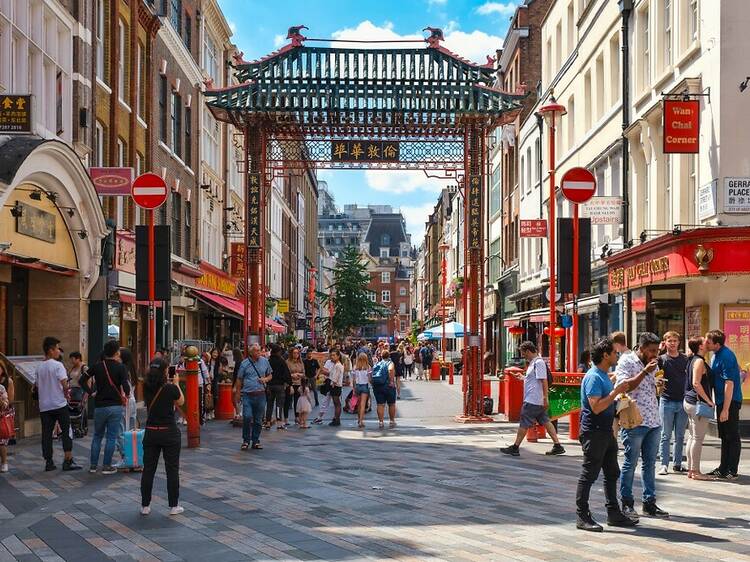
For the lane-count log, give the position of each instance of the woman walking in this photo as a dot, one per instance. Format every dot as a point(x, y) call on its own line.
point(7, 396)
point(361, 385)
point(698, 405)
point(336, 377)
point(297, 372)
point(162, 435)
point(408, 361)
point(277, 389)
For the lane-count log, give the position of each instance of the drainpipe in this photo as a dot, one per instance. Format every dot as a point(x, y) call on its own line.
point(539, 163)
point(626, 8)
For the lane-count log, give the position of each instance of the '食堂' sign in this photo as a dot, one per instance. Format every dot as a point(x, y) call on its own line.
point(365, 151)
point(681, 126)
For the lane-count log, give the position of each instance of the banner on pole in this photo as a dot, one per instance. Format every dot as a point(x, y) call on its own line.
point(254, 223)
point(474, 208)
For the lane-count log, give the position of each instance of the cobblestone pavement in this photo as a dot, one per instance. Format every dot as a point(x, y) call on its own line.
point(427, 490)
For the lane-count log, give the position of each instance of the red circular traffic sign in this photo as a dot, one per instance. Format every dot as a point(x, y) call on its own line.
point(149, 191)
point(578, 185)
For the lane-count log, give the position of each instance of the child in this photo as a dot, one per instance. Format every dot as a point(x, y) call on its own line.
point(361, 386)
point(304, 403)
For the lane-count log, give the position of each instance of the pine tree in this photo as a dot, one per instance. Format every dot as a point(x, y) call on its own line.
point(352, 307)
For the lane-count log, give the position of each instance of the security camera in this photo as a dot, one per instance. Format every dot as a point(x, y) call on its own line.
point(4, 246)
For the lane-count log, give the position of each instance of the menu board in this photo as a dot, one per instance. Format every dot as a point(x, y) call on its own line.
point(696, 321)
point(735, 323)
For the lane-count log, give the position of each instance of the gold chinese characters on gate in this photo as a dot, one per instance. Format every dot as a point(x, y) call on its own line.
point(365, 151)
point(474, 208)
point(253, 210)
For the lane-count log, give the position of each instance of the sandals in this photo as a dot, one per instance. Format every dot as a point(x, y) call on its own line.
point(361, 424)
point(245, 447)
point(257, 446)
point(381, 425)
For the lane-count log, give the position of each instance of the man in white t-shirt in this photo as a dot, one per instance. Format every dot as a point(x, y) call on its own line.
point(325, 402)
point(52, 386)
point(535, 401)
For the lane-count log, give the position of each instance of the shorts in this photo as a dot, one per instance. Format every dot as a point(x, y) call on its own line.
point(384, 393)
point(362, 388)
point(335, 391)
point(532, 413)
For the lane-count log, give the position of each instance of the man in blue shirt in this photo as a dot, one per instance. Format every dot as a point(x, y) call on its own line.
point(598, 439)
point(728, 398)
point(254, 372)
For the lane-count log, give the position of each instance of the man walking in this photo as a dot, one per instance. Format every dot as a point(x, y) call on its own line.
point(254, 372)
point(535, 401)
point(728, 399)
point(598, 442)
point(52, 386)
point(671, 410)
point(637, 368)
point(111, 383)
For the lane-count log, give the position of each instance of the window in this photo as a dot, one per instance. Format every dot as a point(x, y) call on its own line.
point(59, 103)
point(588, 99)
point(176, 223)
point(571, 122)
point(600, 86)
point(371, 295)
point(385, 240)
point(176, 120)
point(188, 33)
point(402, 308)
point(402, 292)
point(163, 108)
point(691, 188)
point(403, 324)
point(385, 296)
point(668, 210)
point(100, 23)
point(209, 59)
point(494, 260)
point(495, 190)
point(548, 66)
point(188, 158)
point(692, 23)
point(570, 25)
point(667, 37)
point(384, 252)
point(614, 69)
point(385, 277)
point(188, 225)
point(120, 152)
point(176, 18)
point(558, 46)
point(121, 61)
point(645, 49)
point(99, 145)
point(140, 64)
point(210, 137)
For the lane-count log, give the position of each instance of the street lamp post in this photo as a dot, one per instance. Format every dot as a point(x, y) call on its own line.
point(551, 111)
point(444, 270)
point(311, 298)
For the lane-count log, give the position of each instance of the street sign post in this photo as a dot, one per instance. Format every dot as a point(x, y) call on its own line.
point(578, 185)
point(149, 192)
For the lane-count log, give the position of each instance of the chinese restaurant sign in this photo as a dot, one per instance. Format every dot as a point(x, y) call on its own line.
point(238, 259)
point(365, 151)
point(15, 114)
point(681, 126)
point(474, 207)
point(735, 323)
point(253, 210)
point(36, 223)
point(533, 228)
point(112, 181)
point(216, 280)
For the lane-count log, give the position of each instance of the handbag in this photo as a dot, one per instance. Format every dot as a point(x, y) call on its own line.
point(7, 424)
point(209, 400)
point(123, 397)
point(703, 410)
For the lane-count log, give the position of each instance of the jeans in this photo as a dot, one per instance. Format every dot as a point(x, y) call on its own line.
point(106, 419)
point(599, 453)
point(731, 444)
point(253, 408)
point(673, 417)
point(49, 419)
point(276, 398)
point(641, 442)
point(697, 426)
point(168, 443)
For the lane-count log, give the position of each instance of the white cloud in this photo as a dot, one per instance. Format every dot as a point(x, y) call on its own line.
point(500, 8)
point(279, 40)
point(415, 217)
point(233, 27)
point(437, 2)
point(474, 45)
point(402, 181)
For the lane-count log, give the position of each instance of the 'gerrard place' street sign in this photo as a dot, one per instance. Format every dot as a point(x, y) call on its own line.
point(578, 185)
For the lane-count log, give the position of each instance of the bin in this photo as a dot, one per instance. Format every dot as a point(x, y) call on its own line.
point(435, 371)
point(225, 404)
point(512, 394)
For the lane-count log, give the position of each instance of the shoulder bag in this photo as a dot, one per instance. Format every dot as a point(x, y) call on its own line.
point(123, 396)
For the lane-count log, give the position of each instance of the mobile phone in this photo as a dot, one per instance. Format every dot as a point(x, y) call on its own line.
point(172, 371)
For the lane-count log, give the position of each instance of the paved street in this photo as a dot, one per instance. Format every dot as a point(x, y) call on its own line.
point(429, 490)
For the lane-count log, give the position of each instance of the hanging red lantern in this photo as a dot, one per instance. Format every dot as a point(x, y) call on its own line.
point(559, 331)
point(516, 330)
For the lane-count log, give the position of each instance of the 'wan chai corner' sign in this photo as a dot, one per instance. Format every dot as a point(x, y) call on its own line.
point(681, 126)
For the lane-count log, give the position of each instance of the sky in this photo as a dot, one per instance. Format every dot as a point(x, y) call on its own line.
point(472, 28)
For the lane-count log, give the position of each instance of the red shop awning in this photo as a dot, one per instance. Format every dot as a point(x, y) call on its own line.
point(128, 297)
point(234, 307)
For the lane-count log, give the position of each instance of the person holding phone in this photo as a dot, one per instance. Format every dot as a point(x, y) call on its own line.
point(162, 436)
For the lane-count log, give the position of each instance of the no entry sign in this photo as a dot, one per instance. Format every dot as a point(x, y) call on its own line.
point(578, 185)
point(149, 191)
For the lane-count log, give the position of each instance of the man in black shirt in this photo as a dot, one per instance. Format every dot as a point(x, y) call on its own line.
point(311, 371)
point(671, 410)
point(111, 384)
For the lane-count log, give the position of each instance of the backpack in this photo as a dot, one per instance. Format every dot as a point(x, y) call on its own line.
point(550, 378)
point(380, 373)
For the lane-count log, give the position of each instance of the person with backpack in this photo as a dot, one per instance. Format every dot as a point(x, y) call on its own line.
point(427, 357)
point(162, 436)
point(535, 401)
point(384, 387)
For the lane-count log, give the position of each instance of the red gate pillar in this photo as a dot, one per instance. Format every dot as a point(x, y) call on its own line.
point(255, 185)
point(192, 397)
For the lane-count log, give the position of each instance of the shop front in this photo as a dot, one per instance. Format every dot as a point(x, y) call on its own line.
point(216, 322)
point(690, 282)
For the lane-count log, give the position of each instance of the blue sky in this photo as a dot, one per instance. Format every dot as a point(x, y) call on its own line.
point(473, 29)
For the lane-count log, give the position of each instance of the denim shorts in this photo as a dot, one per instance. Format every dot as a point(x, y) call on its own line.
point(384, 393)
point(362, 388)
point(531, 413)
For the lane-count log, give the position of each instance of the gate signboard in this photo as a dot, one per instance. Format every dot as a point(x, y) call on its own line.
point(253, 210)
point(365, 151)
point(474, 201)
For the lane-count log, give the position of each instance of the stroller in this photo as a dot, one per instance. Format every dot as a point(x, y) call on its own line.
point(78, 410)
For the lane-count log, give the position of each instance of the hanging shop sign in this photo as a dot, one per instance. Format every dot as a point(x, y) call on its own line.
point(282, 306)
point(707, 201)
point(36, 223)
point(216, 280)
point(112, 181)
point(533, 228)
point(237, 262)
point(15, 114)
point(365, 151)
point(253, 210)
point(603, 210)
point(737, 195)
point(474, 209)
point(681, 126)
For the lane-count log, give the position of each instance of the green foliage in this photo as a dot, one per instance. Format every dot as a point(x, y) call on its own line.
point(352, 307)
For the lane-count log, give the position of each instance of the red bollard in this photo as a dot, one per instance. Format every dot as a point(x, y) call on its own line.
point(575, 425)
point(541, 433)
point(450, 373)
point(531, 435)
point(191, 399)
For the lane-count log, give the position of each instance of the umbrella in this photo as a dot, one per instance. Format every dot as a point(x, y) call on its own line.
point(452, 330)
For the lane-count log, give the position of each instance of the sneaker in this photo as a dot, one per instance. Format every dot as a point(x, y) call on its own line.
point(556, 449)
point(70, 465)
point(587, 523)
point(335, 423)
point(92, 470)
point(715, 472)
point(145, 509)
point(719, 475)
point(50, 466)
point(4, 467)
point(679, 469)
point(318, 421)
point(629, 511)
point(653, 510)
point(281, 427)
point(663, 471)
point(109, 470)
point(176, 510)
point(392, 425)
point(619, 519)
point(729, 475)
point(511, 450)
